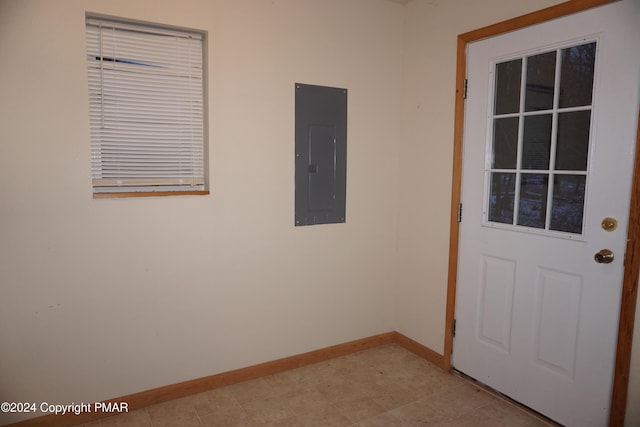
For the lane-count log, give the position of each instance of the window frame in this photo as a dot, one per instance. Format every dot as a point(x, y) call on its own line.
point(198, 181)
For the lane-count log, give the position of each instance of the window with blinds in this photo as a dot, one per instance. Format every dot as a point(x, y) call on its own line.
point(146, 102)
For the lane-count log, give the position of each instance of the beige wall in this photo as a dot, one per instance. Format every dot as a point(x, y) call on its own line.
point(102, 298)
point(633, 407)
point(425, 157)
point(426, 152)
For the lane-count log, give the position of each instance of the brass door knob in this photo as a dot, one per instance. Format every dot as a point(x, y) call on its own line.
point(604, 256)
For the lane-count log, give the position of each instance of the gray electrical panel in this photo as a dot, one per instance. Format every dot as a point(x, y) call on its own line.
point(321, 154)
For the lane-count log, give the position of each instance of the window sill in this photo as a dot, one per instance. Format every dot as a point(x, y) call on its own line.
point(149, 194)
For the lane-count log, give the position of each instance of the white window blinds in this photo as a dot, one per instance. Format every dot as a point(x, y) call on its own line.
point(146, 107)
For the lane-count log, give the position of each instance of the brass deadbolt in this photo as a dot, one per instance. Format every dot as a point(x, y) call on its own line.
point(609, 224)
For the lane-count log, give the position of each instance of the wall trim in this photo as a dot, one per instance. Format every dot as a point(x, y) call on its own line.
point(174, 391)
point(632, 265)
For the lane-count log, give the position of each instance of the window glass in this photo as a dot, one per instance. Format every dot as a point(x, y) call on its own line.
point(538, 166)
point(146, 104)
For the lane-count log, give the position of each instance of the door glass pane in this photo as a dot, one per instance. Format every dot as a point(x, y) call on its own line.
point(532, 209)
point(568, 203)
point(573, 140)
point(576, 75)
point(536, 143)
point(503, 189)
point(540, 128)
point(508, 76)
point(541, 72)
point(505, 143)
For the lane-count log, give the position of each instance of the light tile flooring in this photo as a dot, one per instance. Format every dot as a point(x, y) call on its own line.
point(382, 386)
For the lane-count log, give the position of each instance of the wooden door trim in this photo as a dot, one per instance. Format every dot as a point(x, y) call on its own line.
point(632, 264)
point(629, 298)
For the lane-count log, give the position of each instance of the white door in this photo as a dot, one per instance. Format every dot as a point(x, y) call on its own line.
point(549, 135)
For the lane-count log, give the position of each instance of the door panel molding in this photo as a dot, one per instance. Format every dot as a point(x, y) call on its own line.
point(632, 264)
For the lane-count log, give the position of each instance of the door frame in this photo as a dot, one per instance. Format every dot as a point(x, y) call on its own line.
point(632, 263)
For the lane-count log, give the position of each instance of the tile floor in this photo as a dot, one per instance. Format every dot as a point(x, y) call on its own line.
point(383, 386)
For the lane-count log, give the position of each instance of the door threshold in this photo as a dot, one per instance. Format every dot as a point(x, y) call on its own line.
point(505, 398)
